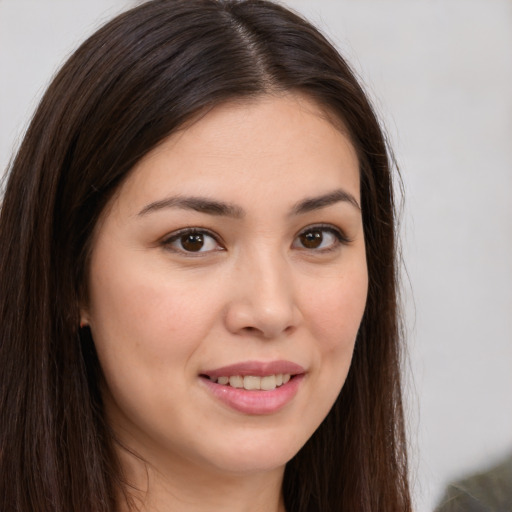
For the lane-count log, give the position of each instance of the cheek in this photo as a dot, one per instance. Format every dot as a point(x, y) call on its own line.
point(145, 337)
point(337, 312)
point(335, 317)
point(143, 313)
point(146, 330)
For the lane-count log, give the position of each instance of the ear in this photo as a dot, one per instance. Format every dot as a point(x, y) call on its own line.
point(84, 318)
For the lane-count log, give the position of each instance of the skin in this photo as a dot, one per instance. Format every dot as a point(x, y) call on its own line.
point(160, 315)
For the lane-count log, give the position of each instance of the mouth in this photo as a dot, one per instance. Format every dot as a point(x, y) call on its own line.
point(253, 387)
point(252, 382)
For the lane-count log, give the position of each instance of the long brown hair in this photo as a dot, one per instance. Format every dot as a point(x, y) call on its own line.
point(128, 87)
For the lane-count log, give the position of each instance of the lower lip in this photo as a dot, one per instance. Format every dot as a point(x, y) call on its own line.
point(255, 401)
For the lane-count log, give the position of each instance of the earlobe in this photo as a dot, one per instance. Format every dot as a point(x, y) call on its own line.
point(84, 319)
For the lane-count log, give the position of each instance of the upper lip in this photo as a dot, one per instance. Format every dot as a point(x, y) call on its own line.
point(256, 368)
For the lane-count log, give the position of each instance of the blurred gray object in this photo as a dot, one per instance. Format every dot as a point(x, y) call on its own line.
point(490, 491)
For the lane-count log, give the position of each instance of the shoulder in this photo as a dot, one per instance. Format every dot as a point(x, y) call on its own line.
point(489, 491)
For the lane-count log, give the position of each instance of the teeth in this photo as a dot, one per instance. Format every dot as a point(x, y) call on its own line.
point(252, 382)
point(268, 383)
point(236, 381)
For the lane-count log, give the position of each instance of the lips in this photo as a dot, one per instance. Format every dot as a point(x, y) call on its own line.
point(254, 387)
point(256, 368)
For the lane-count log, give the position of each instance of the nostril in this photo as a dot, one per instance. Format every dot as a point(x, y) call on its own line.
point(261, 318)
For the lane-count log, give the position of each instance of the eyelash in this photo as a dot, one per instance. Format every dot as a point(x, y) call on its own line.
point(177, 235)
point(341, 239)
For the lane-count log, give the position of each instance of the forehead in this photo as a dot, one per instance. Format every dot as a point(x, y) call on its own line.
point(262, 145)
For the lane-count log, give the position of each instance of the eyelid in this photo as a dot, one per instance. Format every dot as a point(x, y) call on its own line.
point(331, 228)
point(169, 238)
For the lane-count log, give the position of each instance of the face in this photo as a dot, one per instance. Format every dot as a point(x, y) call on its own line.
point(227, 283)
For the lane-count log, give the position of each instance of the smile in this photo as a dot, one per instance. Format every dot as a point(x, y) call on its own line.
point(255, 388)
point(253, 382)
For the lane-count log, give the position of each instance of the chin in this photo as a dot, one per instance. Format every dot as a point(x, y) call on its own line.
point(253, 456)
point(264, 463)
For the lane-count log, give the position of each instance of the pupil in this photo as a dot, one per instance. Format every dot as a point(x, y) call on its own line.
point(312, 239)
point(192, 242)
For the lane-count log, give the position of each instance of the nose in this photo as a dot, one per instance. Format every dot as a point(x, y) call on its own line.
point(264, 303)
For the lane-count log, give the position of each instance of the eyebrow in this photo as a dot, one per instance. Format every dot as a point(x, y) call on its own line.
point(220, 208)
point(198, 204)
point(315, 203)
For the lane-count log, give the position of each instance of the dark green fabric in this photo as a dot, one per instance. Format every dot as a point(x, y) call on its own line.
point(490, 491)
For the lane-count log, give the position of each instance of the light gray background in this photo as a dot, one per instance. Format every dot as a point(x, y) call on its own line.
point(440, 73)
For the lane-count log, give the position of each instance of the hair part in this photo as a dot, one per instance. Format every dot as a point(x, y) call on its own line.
point(129, 86)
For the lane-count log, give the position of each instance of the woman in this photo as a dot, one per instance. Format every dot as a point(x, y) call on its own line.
point(198, 276)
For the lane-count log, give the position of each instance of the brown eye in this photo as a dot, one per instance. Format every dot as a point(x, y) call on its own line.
point(311, 239)
point(192, 242)
point(319, 239)
point(189, 241)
